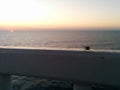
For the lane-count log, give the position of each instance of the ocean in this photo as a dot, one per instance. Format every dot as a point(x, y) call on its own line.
point(73, 39)
point(97, 40)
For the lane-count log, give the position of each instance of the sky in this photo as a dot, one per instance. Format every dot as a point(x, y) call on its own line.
point(59, 14)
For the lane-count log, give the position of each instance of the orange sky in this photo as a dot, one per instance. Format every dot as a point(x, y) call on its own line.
point(48, 14)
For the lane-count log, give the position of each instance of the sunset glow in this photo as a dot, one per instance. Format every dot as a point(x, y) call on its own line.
point(60, 13)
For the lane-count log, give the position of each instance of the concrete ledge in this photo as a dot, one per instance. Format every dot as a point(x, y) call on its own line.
point(78, 66)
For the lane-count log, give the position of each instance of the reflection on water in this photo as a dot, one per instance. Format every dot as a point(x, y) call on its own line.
point(61, 39)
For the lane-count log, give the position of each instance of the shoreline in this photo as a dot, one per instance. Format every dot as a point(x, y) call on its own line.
point(62, 49)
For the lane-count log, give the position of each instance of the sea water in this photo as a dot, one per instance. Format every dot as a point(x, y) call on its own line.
point(98, 40)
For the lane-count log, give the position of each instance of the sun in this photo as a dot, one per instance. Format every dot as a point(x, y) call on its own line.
point(11, 30)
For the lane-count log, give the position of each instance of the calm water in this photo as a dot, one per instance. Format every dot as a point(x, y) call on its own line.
point(61, 39)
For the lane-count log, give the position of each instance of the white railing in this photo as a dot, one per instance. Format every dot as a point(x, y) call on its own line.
point(87, 67)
